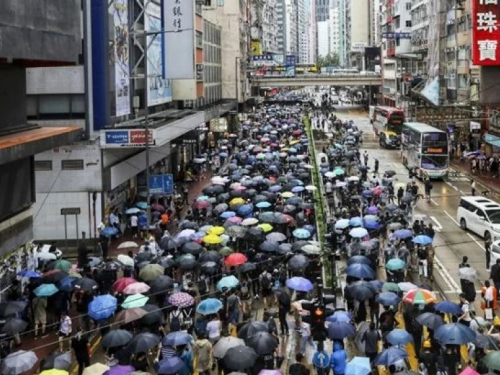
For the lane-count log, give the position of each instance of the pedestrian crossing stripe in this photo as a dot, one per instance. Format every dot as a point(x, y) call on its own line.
point(459, 179)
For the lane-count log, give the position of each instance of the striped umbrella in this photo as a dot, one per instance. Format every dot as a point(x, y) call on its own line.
point(419, 297)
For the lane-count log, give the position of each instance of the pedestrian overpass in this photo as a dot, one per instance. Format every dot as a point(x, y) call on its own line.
point(318, 80)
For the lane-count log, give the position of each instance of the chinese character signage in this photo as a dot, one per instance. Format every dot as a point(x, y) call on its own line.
point(485, 32)
point(179, 29)
point(126, 138)
point(396, 35)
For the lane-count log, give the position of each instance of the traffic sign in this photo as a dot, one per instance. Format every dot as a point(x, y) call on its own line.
point(321, 360)
point(161, 184)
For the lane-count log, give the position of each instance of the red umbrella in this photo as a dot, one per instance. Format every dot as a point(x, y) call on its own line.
point(120, 284)
point(235, 259)
point(157, 207)
point(200, 205)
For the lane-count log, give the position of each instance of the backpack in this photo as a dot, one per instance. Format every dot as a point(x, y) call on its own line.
point(203, 288)
point(244, 289)
point(442, 371)
point(188, 320)
point(175, 322)
point(265, 281)
point(202, 358)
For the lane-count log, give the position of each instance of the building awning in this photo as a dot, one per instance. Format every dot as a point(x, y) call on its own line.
point(428, 90)
point(492, 139)
point(23, 144)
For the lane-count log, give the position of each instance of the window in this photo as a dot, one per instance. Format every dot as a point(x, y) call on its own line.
point(408, 6)
point(43, 165)
point(72, 164)
point(408, 23)
point(220, 3)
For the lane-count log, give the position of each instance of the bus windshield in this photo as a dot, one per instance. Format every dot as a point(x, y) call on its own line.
point(434, 139)
point(433, 162)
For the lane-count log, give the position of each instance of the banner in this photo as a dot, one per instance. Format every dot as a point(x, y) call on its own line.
point(256, 48)
point(159, 89)
point(290, 63)
point(118, 11)
point(178, 16)
point(127, 138)
point(485, 32)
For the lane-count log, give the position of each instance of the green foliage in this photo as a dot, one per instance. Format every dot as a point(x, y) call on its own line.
point(332, 59)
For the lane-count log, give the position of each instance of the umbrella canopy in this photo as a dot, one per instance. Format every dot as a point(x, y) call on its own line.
point(209, 306)
point(390, 356)
point(181, 299)
point(340, 330)
point(102, 307)
point(359, 259)
point(492, 360)
point(388, 299)
point(161, 284)
point(11, 308)
point(358, 366)
point(240, 358)
point(122, 283)
point(18, 362)
point(419, 297)
point(224, 344)
point(235, 259)
point(252, 328)
point(136, 288)
point(454, 333)
point(86, 284)
point(136, 300)
point(143, 342)
point(422, 240)
point(57, 361)
point(360, 271)
point(298, 262)
point(127, 245)
point(399, 337)
point(300, 284)
point(54, 371)
point(178, 338)
point(362, 290)
point(151, 272)
point(467, 273)
point(13, 326)
point(340, 316)
point(116, 338)
point(62, 265)
point(96, 368)
point(129, 315)
point(46, 290)
point(448, 307)
point(395, 264)
point(358, 232)
point(170, 365)
point(262, 342)
point(430, 320)
point(228, 282)
point(212, 239)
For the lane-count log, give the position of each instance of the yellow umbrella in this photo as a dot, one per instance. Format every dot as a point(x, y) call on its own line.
point(216, 231)
point(236, 201)
point(285, 149)
point(265, 227)
point(287, 194)
point(54, 371)
point(294, 142)
point(212, 239)
point(96, 368)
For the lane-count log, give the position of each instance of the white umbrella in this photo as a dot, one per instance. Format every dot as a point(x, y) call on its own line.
point(358, 232)
point(126, 260)
point(250, 221)
point(186, 233)
point(199, 160)
point(406, 287)
point(311, 188)
point(329, 174)
point(127, 244)
point(19, 362)
point(467, 273)
point(45, 255)
point(96, 369)
point(353, 179)
point(226, 343)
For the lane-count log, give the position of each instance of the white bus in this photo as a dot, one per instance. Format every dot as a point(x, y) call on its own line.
point(345, 72)
point(425, 148)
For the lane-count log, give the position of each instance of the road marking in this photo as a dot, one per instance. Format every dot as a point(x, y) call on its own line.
point(461, 192)
point(451, 217)
point(476, 241)
point(438, 227)
point(448, 279)
point(434, 202)
point(451, 185)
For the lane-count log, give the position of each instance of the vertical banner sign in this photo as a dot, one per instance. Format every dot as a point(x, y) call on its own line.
point(118, 10)
point(290, 66)
point(178, 17)
point(159, 89)
point(485, 32)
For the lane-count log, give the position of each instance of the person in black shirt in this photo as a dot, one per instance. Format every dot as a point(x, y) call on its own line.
point(80, 344)
point(298, 368)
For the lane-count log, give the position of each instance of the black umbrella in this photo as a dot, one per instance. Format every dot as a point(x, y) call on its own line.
point(116, 338)
point(86, 284)
point(262, 342)
point(252, 328)
point(166, 262)
point(298, 262)
point(209, 256)
point(165, 243)
point(431, 320)
point(161, 284)
point(154, 315)
point(54, 278)
point(187, 262)
point(11, 308)
point(285, 248)
point(192, 248)
point(362, 290)
point(57, 361)
point(143, 342)
point(13, 326)
point(283, 297)
point(247, 267)
point(222, 198)
point(298, 245)
point(189, 225)
point(240, 358)
point(210, 267)
point(114, 265)
point(254, 234)
point(145, 256)
point(269, 246)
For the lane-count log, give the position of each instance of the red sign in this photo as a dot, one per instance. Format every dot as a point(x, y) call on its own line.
point(138, 137)
point(485, 32)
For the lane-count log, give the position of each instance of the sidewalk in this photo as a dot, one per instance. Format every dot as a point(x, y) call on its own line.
point(484, 179)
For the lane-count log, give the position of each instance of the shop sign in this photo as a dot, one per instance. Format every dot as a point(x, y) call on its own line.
point(218, 125)
point(126, 138)
point(447, 114)
point(433, 150)
point(485, 32)
point(161, 184)
point(189, 141)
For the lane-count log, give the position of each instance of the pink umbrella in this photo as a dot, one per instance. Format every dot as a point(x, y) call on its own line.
point(270, 372)
point(469, 371)
point(235, 220)
point(136, 288)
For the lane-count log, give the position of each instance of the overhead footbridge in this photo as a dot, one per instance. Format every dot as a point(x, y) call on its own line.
point(318, 80)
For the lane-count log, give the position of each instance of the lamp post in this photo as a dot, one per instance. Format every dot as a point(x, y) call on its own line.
point(236, 80)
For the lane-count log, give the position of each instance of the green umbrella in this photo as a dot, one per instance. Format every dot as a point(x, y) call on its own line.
point(135, 300)
point(391, 287)
point(62, 265)
point(492, 360)
point(339, 172)
point(225, 251)
point(339, 146)
point(151, 271)
point(395, 264)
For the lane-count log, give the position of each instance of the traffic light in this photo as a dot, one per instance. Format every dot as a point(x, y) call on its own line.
point(318, 329)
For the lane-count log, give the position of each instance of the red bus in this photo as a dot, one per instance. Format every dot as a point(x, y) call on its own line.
point(388, 119)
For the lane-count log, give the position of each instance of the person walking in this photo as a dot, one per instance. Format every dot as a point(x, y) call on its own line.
point(64, 330)
point(81, 346)
point(39, 306)
point(487, 249)
point(365, 158)
point(338, 360)
point(371, 338)
point(202, 351)
point(473, 187)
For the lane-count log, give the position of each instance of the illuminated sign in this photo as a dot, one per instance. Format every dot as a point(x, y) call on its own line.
point(485, 32)
point(434, 150)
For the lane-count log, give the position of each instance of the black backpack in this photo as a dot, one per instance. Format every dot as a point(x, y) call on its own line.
point(175, 322)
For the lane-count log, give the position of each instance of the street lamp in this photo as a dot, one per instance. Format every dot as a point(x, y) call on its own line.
point(236, 80)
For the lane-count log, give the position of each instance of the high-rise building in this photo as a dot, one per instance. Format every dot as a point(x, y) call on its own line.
point(328, 34)
point(359, 27)
point(264, 25)
point(281, 26)
point(322, 8)
point(290, 28)
point(303, 31)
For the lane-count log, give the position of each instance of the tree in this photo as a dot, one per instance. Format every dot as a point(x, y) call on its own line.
point(332, 59)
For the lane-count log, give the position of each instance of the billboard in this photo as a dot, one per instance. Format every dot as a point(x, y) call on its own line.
point(256, 48)
point(290, 65)
point(127, 138)
point(485, 32)
point(119, 56)
point(178, 16)
point(159, 89)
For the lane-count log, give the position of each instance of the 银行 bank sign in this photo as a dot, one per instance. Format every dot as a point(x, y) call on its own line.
point(485, 32)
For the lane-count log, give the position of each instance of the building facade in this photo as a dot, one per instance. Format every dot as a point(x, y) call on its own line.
point(322, 8)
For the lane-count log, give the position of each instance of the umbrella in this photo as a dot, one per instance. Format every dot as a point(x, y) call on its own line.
point(402, 234)
point(181, 299)
point(492, 360)
point(216, 231)
point(96, 368)
point(358, 366)
point(406, 287)
point(109, 231)
point(209, 306)
point(362, 290)
point(120, 284)
point(247, 267)
point(390, 356)
point(102, 307)
point(301, 233)
point(154, 315)
point(391, 287)
point(399, 337)
point(67, 284)
point(46, 290)
point(116, 338)
point(45, 255)
point(151, 272)
point(395, 264)
point(210, 267)
point(235, 259)
point(422, 240)
point(18, 362)
point(342, 223)
point(249, 222)
point(136, 300)
point(339, 330)
point(178, 338)
point(268, 246)
point(467, 273)
point(13, 326)
point(300, 284)
point(266, 227)
point(358, 232)
point(170, 365)
point(11, 307)
point(448, 307)
point(212, 239)
point(62, 265)
point(224, 344)
point(228, 282)
point(187, 262)
point(127, 245)
point(240, 358)
point(29, 274)
point(56, 362)
point(262, 342)
point(136, 288)
point(431, 320)
point(276, 237)
point(340, 316)
point(388, 299)
point(252, 328)
point(209, 256)
point(298, 262)
point(469, 371)
point(419, 297)
point(143, 342)
point(359, 259)
point(454, 333)
point(86, 284)
point(54, 371)
point(360, 271)
point(192, 248)
point(161, 284)
point(129, 315)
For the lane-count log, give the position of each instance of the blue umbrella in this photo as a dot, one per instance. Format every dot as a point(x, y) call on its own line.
point(294, 201)
point(356, 222)
point(359, 259)
point(227, 282)
point(177, 338)
point(133, 210)
point(342, 224)
point(67, 284)
point(361, 271)
point(301, 233)
point(227, 214)
point(275, 188)
point(390, 356)
point(245, 210)
point(377, 284)
point(142, 205)
point(223, 154)
point(340, 330)
point(109, 231)
point(300, 284)
point(358, 366)
point(263, 205)
point(399, 337)
point(209, 306)
point(367, 193)
point(388, 299)
point(46, 290)
point(422, 240)
point(29, 274)
point(170, 365)
point(402, 234)
point(339, 316)
point(454, 334)
point(448, 307)
point(298, 189)
point(202, 198)
point(372, 224)
point(395, 264)
point(102, 307)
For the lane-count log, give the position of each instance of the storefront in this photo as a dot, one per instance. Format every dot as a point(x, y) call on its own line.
point(118, 199)
point(185, 149)
point(491, 145)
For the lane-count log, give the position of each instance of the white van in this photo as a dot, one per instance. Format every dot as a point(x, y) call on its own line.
point(481, 216)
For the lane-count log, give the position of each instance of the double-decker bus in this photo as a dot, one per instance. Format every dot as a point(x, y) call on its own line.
point(425, 148)
point(387, 119)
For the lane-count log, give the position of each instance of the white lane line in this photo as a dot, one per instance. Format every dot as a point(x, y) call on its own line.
point(451, 185)
point(434, 202)
point(461, 192)
point(438, 226)
point(451, 217)
point(477, 242)
point(448, 279)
